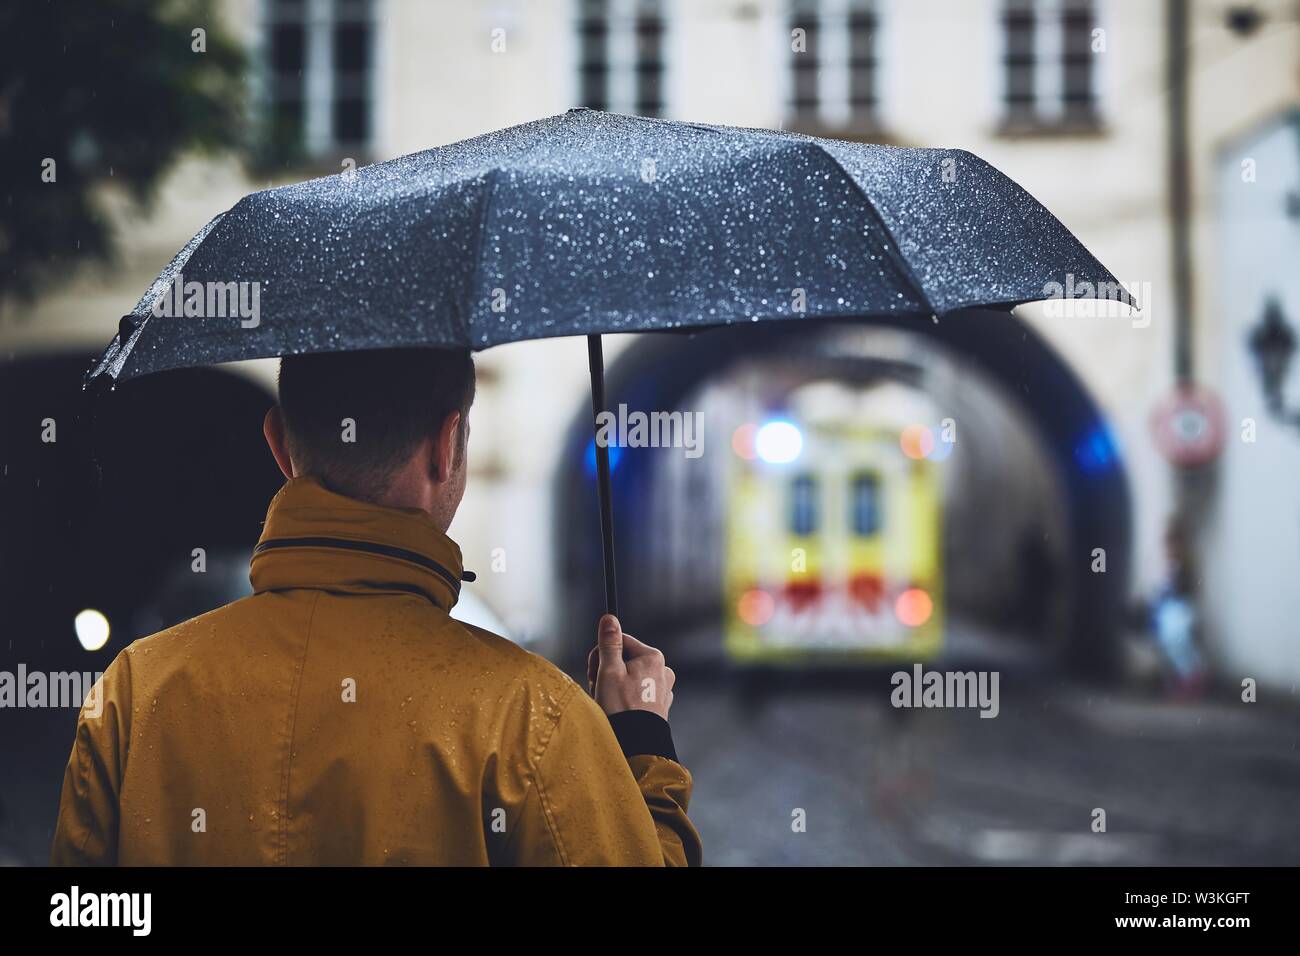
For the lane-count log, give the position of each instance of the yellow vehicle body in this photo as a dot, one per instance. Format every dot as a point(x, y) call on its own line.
point(837, 555)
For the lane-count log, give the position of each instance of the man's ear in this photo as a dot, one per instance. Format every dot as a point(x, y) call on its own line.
point(447, 447)
point(273, 430)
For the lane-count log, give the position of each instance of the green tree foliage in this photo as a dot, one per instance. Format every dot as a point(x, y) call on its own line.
point(111, 91)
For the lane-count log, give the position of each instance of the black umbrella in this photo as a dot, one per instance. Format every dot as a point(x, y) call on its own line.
point(590, 222)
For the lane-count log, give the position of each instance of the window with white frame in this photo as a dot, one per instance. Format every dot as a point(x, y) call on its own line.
point(319, 58)
point(622, 63)
point(833, 75)
point(1049, 71)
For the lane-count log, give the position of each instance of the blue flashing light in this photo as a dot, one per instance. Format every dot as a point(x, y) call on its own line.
point(1096, 452)
point(589, 458)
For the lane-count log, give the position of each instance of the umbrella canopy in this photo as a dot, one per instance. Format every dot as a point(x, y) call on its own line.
point(590, 222)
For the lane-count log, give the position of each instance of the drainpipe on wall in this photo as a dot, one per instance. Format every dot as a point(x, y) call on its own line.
point(1193, 487)
point(1177, 31)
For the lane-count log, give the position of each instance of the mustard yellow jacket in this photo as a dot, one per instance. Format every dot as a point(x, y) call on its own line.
point(339, 716)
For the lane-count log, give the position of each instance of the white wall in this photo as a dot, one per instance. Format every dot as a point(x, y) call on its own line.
point(1252, 557)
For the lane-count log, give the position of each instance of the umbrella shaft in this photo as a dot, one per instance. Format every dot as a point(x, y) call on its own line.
point(596, 360)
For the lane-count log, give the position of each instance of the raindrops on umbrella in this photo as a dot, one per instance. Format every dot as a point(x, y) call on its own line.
point(592, 222)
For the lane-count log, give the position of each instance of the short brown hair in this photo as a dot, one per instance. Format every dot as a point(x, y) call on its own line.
point(395, 397)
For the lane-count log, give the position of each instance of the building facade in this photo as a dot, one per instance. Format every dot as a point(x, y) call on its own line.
point(1068, 97)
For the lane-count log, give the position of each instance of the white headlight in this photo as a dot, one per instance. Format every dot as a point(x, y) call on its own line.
point(778, 442)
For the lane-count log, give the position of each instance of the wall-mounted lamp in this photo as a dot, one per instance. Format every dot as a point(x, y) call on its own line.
point(1273, 344)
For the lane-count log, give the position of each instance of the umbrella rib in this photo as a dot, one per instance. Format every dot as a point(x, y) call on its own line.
point(118, 353)
point(891, 243)
point(493, 175)
point(473, 285)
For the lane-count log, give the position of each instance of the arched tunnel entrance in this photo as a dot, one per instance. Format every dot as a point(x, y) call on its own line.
point(1031, 486)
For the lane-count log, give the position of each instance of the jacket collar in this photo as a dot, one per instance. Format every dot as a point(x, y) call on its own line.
point(314, 538)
